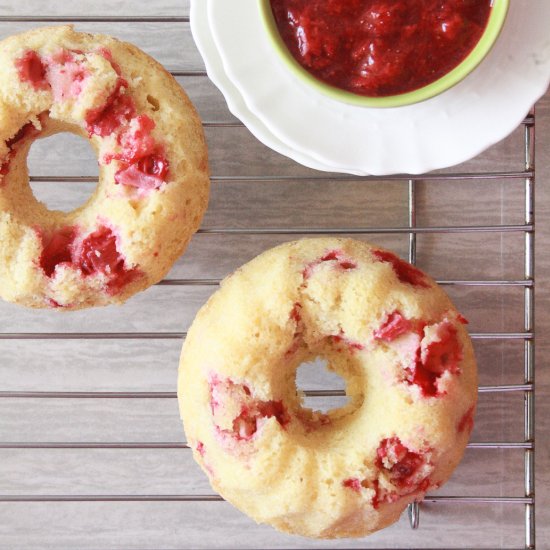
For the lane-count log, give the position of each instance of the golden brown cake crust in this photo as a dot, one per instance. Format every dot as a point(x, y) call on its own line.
point(153, 182)
point(383, 326)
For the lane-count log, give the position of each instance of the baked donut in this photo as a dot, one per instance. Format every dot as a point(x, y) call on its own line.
point(153, 174)
point(382, 325)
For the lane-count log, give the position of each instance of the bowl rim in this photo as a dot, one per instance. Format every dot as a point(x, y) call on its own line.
point(447, 81)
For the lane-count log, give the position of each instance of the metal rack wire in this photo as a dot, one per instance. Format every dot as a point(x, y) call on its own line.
point(527, 336)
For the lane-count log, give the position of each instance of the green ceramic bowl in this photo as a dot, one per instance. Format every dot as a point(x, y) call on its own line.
point(489, 37)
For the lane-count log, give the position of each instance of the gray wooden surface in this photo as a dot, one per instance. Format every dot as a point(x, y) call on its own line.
point(248, 200)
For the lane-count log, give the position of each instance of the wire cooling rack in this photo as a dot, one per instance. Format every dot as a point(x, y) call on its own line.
point(411, 230)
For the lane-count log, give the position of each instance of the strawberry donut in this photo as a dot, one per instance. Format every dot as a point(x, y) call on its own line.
point(153, 174)
point(380, 323)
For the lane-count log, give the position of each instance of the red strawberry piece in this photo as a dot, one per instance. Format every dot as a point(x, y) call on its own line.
point(31, 69)
point(394, 326)
point(57, 250)
point(404, 271)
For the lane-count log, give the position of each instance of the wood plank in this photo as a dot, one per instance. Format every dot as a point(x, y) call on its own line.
point(169, 43)
point(195, 525)
point(169, 472)
point(96, 7)
point(151, 365)
point(499, 418)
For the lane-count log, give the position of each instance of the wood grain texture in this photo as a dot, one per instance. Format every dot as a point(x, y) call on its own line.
point(242, 197)
point(498, 418)
point(96, 7)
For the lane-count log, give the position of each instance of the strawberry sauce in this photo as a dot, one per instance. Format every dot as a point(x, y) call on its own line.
point(380, 47)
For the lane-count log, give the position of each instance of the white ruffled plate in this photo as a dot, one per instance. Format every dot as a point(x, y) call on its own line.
point(328, 135)
point(203, 38)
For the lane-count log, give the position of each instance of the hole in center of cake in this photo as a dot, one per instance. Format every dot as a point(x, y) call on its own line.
point(62, 156)
point(326, 388)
